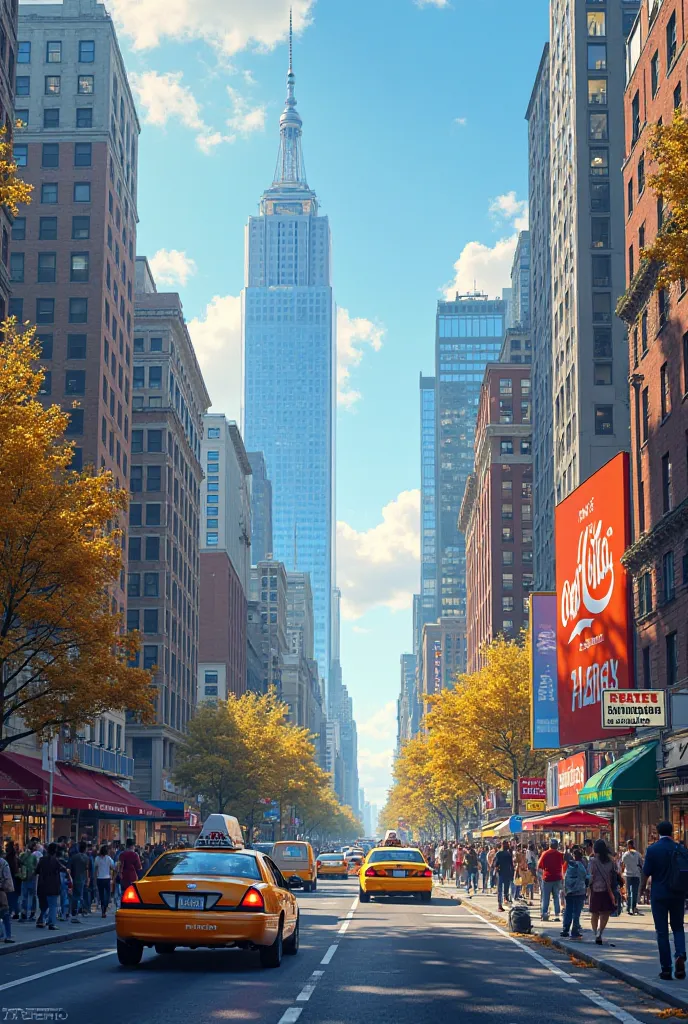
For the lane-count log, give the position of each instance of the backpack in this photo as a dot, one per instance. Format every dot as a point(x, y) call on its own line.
point(519, 919)
point(678, 871)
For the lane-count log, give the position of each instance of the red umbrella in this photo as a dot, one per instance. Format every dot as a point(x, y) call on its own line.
point(564, 821)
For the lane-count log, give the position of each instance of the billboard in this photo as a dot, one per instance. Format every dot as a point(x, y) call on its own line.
point(532, 789)
point(594, 640)
point(635, 709)
point(544, 711)
point(571, 777)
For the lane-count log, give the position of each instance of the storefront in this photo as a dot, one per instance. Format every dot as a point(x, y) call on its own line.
point(673, 782)
point(628, 785)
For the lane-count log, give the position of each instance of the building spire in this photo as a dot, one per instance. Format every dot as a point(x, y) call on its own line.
point(290, 170)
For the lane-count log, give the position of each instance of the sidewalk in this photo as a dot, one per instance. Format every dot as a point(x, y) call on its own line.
point(629, 951)
point(28, 936)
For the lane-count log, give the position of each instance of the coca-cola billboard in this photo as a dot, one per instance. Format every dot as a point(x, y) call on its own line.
point(594, 640)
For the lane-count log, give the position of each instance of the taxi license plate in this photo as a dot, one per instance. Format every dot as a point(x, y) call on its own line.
point(190, 902)
point(398, 874)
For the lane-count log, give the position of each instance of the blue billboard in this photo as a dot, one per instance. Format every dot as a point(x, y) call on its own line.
point(544, 707)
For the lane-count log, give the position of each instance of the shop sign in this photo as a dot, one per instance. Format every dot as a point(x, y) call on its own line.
point(633, 709)
point(594, 638)
point(532, 789)
point(438, 666)
point(676, 753)
point(536, 805)
point(544, 713)
point(571, 777)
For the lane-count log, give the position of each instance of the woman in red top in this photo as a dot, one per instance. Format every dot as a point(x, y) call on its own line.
point(129, 866)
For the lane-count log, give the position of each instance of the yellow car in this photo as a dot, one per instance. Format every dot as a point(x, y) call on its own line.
point(332, 865)
point(354, 861)
point(395, 871)
point(216, 895)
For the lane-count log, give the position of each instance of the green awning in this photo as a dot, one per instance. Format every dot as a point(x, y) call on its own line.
point(632, 777)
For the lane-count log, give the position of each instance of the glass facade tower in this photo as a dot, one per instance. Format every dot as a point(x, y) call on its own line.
point(469, 334)
point(428, 508)
point(288, 324)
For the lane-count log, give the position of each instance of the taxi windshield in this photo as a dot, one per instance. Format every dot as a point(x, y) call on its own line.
point(331, 856)
point(394, 853)
point(202, 862)
point(297, 850)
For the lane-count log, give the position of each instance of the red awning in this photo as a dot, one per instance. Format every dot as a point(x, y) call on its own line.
point(566, 820)
point(73, 787)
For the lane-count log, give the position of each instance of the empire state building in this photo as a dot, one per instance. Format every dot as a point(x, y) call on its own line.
point(289, 361)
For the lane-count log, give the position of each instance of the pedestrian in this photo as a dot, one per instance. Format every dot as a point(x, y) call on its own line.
point(12, 858)
point(28, 863)
point(471, 866)
point(504, 866)
point(532, 861)
point(632, 868)
point(551, 864)
point(575, 886)
point(79, 870)
point(65, 881)
point(491, 856)
point(602, 878)
point(6, 889)
point(484, 866)
point(445, 861)
point(667, 903)
point(129, 866)
point(104, 870)
point(49, 873)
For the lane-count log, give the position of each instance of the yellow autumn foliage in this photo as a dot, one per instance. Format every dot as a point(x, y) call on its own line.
point(669, 149)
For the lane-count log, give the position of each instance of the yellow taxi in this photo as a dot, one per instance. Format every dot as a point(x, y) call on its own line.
point(296, 861)
point(355, 858)
point(216, 895)
point(395, 871)
point(332, 865)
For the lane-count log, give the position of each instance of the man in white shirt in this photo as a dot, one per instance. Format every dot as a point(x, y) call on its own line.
point(632, 867)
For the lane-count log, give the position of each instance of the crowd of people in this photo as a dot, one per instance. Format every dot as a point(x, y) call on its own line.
point(67, 880)
point(570, 875)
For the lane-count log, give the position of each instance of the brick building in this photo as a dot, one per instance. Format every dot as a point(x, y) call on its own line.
point(658, 348)
point(9, 16)
point(497, 510)
point(163, 582)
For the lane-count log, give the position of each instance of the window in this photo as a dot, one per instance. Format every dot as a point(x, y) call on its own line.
point(603, 374)
point(152, 549)
point(671, 40)
point(134, 585)
point(79, 266)
point(53, 53)
point(155, 377)
point(631, 263)
point(51, 119)
point(22, 115)
point(507, 558)
point(150, 620)
point(153, 514)
point(75, 382)
point(76, 423)
point(133, 619)
point(155, 440)
point(667, 490)
point(46, 342)
point(598, 127)
point(19, 229)
point(150, 656)
point(506, 411)
point(654, 72)
point(597, 25)
point(664, 390)
point(635, 116)
point(671, 643)
point(641, 188)
point(601, 272)
point(214, 432)
point(662, 307)
point(151, 584)
point(597, 57)
point(507, 510)
point(643, 332)
point(136, 442)
point(678, 98)
point(16, 309)
point(505, 386)
point(597, 92)
point(23, 53)
point(82, 152)
point(78, 311)
point(47, 267)
point(136, 479)
point(604, 419)
point(668, 576)
point(599, 196)
point(138, 344)
point(507, 581)
point(45, 311)
point(47, 229)
point(526, 446)
point(507, 604)
point(87, 51)
point(81, 228)
point(212, 541)
point(629, 197)
point(602, 307)
point(82, 192)
point(599, 232)
point(506, 446)
point(49, 192)
point(21, 154)
point(84, 119)
point(22, 85)
point(645, 414)
point(139, 379)
point(508, 534)
point(85, 85)
point(52, 85)
point(156, 344)
point(17, 266)
point(154, 478)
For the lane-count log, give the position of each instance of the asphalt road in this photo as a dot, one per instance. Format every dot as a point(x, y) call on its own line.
point(386, 961)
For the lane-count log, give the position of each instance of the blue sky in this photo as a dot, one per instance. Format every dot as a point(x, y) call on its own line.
point(416, 143)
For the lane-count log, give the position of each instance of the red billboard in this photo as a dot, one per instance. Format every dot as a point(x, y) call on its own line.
point(532, 789)
point(594, 638)
point(571, 777)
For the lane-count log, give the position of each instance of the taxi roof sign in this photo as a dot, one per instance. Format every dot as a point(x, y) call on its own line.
point(221, 831)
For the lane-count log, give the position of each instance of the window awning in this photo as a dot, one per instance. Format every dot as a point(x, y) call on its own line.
point(564, 821)
point(23, 780)
point(494, 828)
point(633, 777)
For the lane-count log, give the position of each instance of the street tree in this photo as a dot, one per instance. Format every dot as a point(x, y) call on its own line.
point(669, 149)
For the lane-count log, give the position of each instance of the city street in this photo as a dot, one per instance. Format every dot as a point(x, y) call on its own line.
point(398, 961)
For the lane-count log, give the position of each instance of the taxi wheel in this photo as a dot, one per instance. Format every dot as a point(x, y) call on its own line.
point(129, 953)
point(271, 956)
point(426, 897)
point(291, 945)
point(364, 897)
point(162, 948)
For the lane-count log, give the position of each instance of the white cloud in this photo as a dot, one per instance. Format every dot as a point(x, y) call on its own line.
point(509, 208)
point(374, 773)
point(352, 335)
point(163, 97)
point(461, 121)
point(382, 725)
point(432, 3)
point(244, 118)
point(216, 339)
point(379, 567)
point(170, 266)
point(228, 25)
point(484, 267)
point(361, 630)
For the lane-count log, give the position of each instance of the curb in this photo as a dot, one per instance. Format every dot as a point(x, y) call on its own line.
point(50, 940)
point(649, 987)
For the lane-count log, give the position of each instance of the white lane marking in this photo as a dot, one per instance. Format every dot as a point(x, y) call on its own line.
point(330, 953)
point(309, 988)
point(354, 904)
point(291, 1015)
point(616, 1011)
point(531, 952)
point(55, 970)
point(349, 915)
point(344, 927)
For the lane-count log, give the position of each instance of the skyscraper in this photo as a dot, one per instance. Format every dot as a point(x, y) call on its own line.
point(289, 367)
point(469, 335)
point(428, 512)
point(261, 509)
